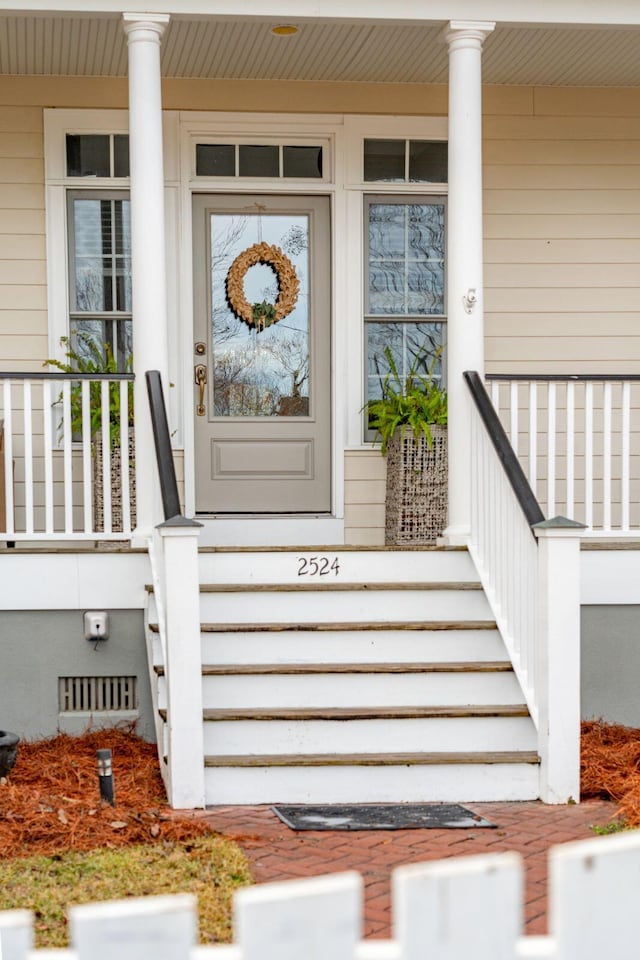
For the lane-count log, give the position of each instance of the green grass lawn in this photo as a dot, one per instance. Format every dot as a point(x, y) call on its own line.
point(210, 867)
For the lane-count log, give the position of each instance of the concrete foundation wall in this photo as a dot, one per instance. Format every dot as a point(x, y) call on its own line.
point(39, 647)
point(611, 663)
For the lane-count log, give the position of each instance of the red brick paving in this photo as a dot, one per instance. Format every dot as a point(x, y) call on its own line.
point(278, 853)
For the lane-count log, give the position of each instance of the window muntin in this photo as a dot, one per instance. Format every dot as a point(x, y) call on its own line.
point(404, 287)
point(260, 160)
point(405, 161)
point(99, 237)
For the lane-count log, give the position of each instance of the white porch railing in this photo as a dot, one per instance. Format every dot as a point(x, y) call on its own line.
point(530, 571)
point(55, 428)
point(454, 909)
point(578, 439)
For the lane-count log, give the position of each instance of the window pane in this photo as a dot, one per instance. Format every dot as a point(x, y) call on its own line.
point(121, 155)
point(88, 155)
point(413, 349)
point(101, 255)
point(406, 258)
point(89, 336)
point(384, 160)
point(215, 160)
point(266, 373)
point(302, 161)
point(259, 161)
point(428, 161)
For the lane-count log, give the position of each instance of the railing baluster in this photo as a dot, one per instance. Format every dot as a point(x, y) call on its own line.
point(588, 455)
point(606, 457)
point(48, 457)
point(625, 472)
point(87, 488)
point(68, 456)
point(533, 436)
point(570, 450)
point(551, 449)
point(8, 456)
point(106, 454)
point(27, 419)
point(513, 404)
point(124, 455)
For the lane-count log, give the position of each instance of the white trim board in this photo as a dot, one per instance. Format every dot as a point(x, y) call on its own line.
point(609, 577)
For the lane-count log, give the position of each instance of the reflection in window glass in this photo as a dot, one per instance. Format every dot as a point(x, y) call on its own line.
point(262, 374)
point(100, 267)
point(405, 306)
point(384, 160)
point(215, 160)
point(428, 161)
point(302, 162)
point(121, 155)
point(88, 155)
point(259, 160)
point(406, 258)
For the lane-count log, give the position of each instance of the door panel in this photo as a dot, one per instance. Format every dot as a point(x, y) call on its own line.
point(262, 340)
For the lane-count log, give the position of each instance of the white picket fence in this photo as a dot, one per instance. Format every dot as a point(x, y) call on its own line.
point(458, 909)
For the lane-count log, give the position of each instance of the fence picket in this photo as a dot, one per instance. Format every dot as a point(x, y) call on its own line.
point(149, 928)
point(16, 934)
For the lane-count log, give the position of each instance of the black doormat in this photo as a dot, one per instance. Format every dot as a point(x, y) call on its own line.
point(380, 816)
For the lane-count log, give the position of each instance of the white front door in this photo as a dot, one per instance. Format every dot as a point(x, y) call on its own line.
point(261, 357)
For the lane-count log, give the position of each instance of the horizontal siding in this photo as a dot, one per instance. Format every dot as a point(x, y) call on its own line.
point(364, 490)
point(562, 234)
point(23, 280)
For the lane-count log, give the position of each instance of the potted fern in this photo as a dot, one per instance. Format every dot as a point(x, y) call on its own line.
point(410, 419)
point(91, 356)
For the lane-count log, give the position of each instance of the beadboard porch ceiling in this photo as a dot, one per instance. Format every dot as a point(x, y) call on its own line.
point(334, 50)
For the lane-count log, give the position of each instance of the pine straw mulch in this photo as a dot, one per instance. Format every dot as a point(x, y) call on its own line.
point(50, 802)
point(610, 767)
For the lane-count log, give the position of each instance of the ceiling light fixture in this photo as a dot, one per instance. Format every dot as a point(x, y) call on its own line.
point(284, 30)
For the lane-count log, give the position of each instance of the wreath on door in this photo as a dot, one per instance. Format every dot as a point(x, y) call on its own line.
point(262, 315)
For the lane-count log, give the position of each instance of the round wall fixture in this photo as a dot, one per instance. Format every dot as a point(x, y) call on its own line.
point(284, 30)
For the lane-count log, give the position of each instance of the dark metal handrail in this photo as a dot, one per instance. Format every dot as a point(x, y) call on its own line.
point(565, 377)
point(162, 440)
point(510, 463)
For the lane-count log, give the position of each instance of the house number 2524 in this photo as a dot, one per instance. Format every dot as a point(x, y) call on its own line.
point(318, 566)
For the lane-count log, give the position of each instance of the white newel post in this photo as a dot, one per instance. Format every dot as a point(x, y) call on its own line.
point(183, 667)
point(465, 306)
point(559, 665)
point(150, 351)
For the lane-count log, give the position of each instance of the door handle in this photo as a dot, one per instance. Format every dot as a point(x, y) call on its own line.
point(200, 372)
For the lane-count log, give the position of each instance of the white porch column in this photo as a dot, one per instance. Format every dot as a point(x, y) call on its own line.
point(150, 350)
point(465, 337)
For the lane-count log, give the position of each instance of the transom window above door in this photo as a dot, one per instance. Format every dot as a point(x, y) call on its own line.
point(404, 288)
point(296, 161)
point(405, 161)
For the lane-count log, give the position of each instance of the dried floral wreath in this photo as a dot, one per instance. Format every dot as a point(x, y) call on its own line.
point(262, 315)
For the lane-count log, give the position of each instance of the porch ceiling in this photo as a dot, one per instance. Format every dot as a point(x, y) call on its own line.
point(323, 50)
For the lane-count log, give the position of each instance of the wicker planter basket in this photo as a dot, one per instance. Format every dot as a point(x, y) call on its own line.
point(116, 486)
point(416, 504)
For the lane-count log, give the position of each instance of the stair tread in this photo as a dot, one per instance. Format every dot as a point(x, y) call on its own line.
point(426, 625)
point(372, 759)
point(342, 548)
point(339, 586)
point(365, 713)
point(276, 669)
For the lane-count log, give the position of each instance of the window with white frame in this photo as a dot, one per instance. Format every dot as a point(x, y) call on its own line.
point(99, 247)
point(404, 261)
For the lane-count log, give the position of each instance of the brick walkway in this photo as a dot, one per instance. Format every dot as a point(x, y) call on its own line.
point(278, 853)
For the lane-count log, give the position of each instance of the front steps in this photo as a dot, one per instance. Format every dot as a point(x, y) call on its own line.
point(356, 676)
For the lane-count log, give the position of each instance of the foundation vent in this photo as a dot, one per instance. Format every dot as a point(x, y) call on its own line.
point(96, 694)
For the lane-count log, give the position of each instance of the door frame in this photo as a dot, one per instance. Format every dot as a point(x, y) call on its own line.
point(284, 529)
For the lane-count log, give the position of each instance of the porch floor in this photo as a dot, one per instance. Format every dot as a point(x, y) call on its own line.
point(530, 828)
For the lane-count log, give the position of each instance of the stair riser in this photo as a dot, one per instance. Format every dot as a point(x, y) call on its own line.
point(396, 784)
point(364, 690)
point(353, 567)
point(345, 607)
point(343, 646)
point(362, 736)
